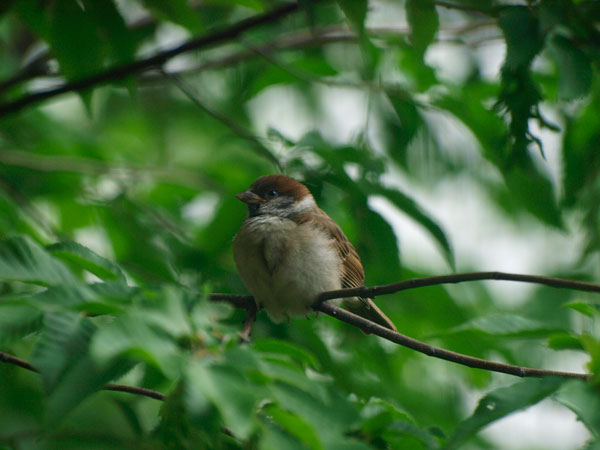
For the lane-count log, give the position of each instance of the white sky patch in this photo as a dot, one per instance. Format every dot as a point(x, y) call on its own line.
point(201, 209)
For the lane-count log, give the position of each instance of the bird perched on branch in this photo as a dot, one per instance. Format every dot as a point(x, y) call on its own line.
point(288, 251)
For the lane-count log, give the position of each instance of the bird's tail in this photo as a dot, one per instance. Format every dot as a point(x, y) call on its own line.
point(366, 308)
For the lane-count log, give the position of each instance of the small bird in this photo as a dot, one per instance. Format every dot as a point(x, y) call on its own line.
point(288, 251)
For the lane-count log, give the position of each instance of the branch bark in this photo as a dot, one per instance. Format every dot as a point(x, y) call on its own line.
point(155, 61)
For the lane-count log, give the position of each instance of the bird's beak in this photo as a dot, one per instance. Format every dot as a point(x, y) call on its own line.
point(250, 198)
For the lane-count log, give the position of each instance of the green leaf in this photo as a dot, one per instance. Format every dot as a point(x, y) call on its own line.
point(355, 11)
point(584, 401)
point(86, 259)
point(410, 122)
point(503, 325)
point(17, 320)
point(21, 259)
point(295, 426)
point(408, 205)
point(423, 21)
point(130, 337)
point(565, 341)
point(112, 29)
point(582, 307)
point(74, 40)
point(573, 67)
point(61, 355)
point(288, 350)
point(501, 402)
point(523, 36)
point(177, 11)
point(228, 389)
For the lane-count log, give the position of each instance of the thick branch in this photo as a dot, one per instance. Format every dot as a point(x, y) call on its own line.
point(465, 360)
point(457, 278)
point(122, 71)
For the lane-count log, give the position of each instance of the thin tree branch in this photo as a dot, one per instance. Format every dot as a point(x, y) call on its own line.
point(121, 71)
point(457, 278)
point(233, 126)
point(46, 163)
point(10, 359)
point(459, 358)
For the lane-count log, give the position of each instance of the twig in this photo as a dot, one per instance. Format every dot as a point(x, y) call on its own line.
point(373, 328)
point(46, 163)
point(121, 71)
point(457, 278)
point(233, 126)
point(10, 359)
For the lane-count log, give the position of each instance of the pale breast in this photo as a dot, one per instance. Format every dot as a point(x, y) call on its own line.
point(285, 265)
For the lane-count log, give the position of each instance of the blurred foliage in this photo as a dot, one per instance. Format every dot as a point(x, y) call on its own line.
point(117, 213)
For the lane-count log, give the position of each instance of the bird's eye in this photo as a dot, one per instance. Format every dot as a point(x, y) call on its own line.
point(272, 193)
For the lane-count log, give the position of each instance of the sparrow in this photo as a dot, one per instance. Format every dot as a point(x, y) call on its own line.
point(288, 251)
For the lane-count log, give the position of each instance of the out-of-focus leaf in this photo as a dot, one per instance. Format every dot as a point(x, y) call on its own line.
point(410, 122)
point(132, 337)
point(501, 402)
point(584, 401)
point(503, 325)
point(74, 40)
point(297, 427)
point(17, 320)
point(285, 349)
point(355, 11)
point(177, 11)
point(423, 20)
point(564, 341)
point(583, 308)
point(87, 259)
point(225, 387)
point(21, 259)
point(574, 68)
point(414, 211)
point(62, 357)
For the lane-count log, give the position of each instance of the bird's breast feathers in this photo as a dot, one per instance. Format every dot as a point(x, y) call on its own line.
point(286, 264)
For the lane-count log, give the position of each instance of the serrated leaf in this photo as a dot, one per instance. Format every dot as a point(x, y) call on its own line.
point(574, 68)
point(423, 21)
point(502, 402)
point(86, 259)
point(584, 401)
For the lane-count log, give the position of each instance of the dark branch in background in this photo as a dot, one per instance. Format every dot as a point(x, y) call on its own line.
point(121, 71)
point(459, 358)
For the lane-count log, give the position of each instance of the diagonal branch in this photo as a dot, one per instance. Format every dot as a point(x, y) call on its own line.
point(437, 352)
point(121, 71)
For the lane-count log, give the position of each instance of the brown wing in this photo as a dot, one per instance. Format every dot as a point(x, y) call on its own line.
point(352, 270)
point(353, 274)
